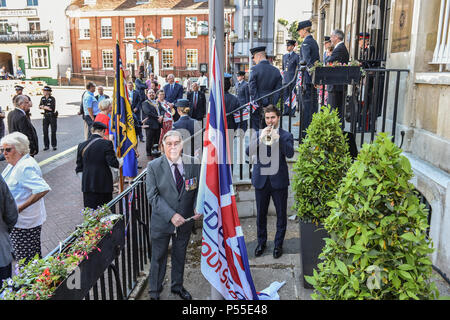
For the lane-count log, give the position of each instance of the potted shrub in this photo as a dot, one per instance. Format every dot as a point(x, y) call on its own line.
point(322, 162)
point(378, 247)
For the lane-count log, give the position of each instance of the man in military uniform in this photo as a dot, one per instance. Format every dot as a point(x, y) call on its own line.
point(290, 62)
point(19, 91)
point(309, 52)
point(243, 96)
point(48, 104)
point(264, 79)
point(367, 51)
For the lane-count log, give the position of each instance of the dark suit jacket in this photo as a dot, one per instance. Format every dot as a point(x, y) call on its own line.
point(290, 62)
point(242, 93)
point(280, 179)
point(149, 111)
point(186, 123)
point(174, 95)
point(339, 54)
point(264, 79)
point(95, 163)
point(163, 195)
point(18, 121)
point(197, 112)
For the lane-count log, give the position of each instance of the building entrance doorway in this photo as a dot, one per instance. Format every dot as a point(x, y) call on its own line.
point(6, 61)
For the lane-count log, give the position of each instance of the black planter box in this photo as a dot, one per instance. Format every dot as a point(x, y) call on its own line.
point(77, 285)
point(336, 75)
point(312, 242)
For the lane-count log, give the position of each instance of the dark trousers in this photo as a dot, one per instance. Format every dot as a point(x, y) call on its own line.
point(279, 198)
point(310, 106)
point(287, 97)
point(151, 138)
point(95, 199)
point(52, 122)
point(158, 264)
point(5, 273)
point(336, 101)
point(89, 122)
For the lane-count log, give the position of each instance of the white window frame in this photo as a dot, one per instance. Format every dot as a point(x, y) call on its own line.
point(83, 54)
point(193, 53)
point(187, 24)
point(83, 26)
point(127, 22)
point(36, 22)
point(110, 64)
point(164, 52)
point(164, 27)
point(45, 58)
point(106, 23)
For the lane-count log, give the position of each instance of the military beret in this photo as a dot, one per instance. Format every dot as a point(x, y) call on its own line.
point(182, 103)
point(257, 49)
point(17, 87)
point(327, 39)
point(304, 24)
point(47, 88)
point(290, 42)
point(99, 126)
point(364, 35)
point(241, 73)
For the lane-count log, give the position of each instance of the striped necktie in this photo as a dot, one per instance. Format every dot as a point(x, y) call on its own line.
point(178, 178)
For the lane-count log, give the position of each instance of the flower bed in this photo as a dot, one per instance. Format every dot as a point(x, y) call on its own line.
point(39, 279)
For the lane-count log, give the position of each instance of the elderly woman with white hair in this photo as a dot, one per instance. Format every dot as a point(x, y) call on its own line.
point(104, 116)
point(24, 179)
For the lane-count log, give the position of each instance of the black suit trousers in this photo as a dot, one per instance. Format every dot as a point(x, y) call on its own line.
point(151, 138)
point(279, 198)
point(49, 121)
point(336, 101)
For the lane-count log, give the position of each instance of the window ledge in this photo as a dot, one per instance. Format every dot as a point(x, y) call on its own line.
point(433, 78)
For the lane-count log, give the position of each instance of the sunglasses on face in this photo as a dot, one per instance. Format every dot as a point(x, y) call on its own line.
point(3, 150)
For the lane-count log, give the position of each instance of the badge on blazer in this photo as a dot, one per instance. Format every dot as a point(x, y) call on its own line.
point(191, 184)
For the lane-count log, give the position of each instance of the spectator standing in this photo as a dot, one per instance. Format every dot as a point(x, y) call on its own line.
point(168, 112)
point(24, 178)
point(19, 121)
point(153, 119)
point(203, 82)
point(197, 101)
point(187, 84)
point(141, 87)
point(90, 107)
point(95, 156)
point(8, 218)
point(173, 92)
point(48, 104)
point(104, 116)
point(101, 94)
point(150, 79)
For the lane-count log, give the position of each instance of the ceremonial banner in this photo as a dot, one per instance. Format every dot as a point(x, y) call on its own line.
point(224, 261)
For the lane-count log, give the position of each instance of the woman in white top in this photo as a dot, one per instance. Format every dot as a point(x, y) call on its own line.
point(24, 179)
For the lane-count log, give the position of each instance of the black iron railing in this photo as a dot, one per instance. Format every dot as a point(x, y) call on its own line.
point(25, 36)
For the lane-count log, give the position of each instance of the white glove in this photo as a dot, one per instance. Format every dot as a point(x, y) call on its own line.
point(80, 175)
point(120, 162)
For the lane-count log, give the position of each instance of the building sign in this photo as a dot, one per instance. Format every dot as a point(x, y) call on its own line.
point(401, 33)
point(18, 13)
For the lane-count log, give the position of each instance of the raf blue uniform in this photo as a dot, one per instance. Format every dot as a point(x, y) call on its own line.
point(290, 62)
point(264, 79)
point(275, 185)
point(243, 96)
point(309, 52)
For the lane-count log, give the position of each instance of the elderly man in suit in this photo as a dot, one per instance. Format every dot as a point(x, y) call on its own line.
point(270, 177)
point(172, 182)
point(19, 121)
point(173, 91)
point(197, 101)
point(340, 54)
point(95, 156)
point(290, 62)
point(309, 52)
point(264, 79)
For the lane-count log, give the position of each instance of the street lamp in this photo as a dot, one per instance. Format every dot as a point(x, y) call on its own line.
point(233, 39)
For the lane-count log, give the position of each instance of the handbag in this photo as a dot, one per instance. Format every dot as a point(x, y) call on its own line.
point(114, 171)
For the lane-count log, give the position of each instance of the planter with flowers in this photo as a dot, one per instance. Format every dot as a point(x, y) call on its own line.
point(70, 273)
point(336, 73)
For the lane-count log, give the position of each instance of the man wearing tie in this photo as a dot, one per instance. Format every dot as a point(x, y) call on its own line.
point(173, 91)
point(172, 182)
point(243, 96)
point(197, 102)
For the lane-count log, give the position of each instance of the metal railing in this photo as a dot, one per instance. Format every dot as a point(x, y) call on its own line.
point(26, 36)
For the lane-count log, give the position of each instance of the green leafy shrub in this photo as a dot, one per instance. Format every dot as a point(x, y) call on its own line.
point(322, 162)
point(378, 247)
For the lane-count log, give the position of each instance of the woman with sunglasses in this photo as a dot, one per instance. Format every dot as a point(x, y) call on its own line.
point(24, 179)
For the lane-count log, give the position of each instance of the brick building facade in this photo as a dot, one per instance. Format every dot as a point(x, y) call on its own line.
point(173, 33)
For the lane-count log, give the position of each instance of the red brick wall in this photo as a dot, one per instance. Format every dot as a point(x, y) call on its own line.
point(144, 24)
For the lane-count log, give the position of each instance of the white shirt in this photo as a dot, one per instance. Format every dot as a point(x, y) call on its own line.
point(203, 81)
point(24, 180)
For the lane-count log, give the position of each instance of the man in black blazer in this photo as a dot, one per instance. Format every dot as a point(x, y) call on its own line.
point(95, 156)
point(19, 121)
point(152, 121)
point(197, 102)
point(340, 54)
point(270, 177)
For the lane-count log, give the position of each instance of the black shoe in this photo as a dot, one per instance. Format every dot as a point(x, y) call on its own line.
point(277, 252)
point(260, 250)
point(46, 148)
point(54, 148)
point(183, 293)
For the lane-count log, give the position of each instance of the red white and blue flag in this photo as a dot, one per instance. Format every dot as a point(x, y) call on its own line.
point(224, 260)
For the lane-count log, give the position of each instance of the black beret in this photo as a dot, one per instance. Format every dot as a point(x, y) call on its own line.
point(241, 73)
point(304, 24)
point(327, 39)
point(257, 49)
point(182, 103)
point(99, 126)
point(290, 42)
